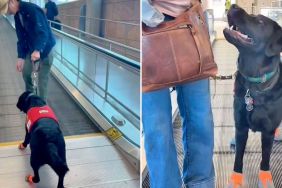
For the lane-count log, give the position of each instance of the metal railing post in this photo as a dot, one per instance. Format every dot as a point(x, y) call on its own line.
point(61, 50)
point(78, 65)
point(107, 81)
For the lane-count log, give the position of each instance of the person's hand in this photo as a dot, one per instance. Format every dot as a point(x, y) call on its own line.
point(21, 146)
point(20, 64)
point(35, 56)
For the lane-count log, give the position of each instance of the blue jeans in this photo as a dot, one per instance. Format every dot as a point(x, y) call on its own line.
point(197, 121)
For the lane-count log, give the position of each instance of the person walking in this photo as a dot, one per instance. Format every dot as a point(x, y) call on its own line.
point(35, 42)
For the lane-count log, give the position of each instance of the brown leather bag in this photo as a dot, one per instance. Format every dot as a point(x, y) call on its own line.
point(177, 51)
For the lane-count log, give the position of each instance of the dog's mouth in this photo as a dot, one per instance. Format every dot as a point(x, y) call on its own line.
point(239, 35)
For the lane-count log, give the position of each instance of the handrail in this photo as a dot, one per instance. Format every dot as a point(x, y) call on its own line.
point(123, 59)
point(95, 36)
point(91, 18)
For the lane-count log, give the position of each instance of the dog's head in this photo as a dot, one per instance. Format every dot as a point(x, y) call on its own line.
point(255, 34)
point(28, 100)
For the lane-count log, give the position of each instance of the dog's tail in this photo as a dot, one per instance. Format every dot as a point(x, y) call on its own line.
point(56, 162)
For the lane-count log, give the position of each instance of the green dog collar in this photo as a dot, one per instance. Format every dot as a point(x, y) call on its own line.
point(261, 79)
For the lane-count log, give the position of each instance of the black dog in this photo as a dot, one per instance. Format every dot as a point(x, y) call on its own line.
point(45, 137)
point(258, 91)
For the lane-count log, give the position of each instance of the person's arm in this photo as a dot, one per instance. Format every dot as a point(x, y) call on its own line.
point(150, 15)
point(22, 46)
point(40, 27)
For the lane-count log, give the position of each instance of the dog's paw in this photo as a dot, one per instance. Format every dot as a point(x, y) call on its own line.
point(265, 179)
point(278, 135)
point(21, 146)
point(236, 180)
point(29, 179)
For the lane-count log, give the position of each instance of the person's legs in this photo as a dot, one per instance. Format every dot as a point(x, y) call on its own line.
point(26, 73)
point(43, 75)
point(195, 110)
point(159, 142)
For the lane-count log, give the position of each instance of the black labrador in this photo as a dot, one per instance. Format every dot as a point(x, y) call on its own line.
point(258, 91)
point(45, 137)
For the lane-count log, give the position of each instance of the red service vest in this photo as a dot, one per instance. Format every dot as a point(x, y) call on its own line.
point(36, 113)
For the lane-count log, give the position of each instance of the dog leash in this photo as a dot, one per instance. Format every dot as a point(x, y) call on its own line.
point(34, 75)
point(221, 77)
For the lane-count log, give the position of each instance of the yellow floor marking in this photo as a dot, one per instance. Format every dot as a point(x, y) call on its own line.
point(13, 143)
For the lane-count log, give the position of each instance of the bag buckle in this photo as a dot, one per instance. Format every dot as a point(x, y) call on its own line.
point(193, 31)
point(183, 26)
point(187, 26)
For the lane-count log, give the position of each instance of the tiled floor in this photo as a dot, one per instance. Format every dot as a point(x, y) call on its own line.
point(94, 162)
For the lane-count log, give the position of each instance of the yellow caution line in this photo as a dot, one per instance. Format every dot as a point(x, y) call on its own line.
point(15, 143)
point(5, 144)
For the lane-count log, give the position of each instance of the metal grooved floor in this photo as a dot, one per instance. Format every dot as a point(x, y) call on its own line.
point(93, 162)
point(222, 104)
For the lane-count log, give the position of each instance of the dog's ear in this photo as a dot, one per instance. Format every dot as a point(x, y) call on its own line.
point(22, 101)
point(274, 45)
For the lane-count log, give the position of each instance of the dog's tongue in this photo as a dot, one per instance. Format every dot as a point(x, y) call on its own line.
point(241, 36)
point(237, 32)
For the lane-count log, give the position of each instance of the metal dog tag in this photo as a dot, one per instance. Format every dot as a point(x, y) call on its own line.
point(249, 101)
point(249, 107)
